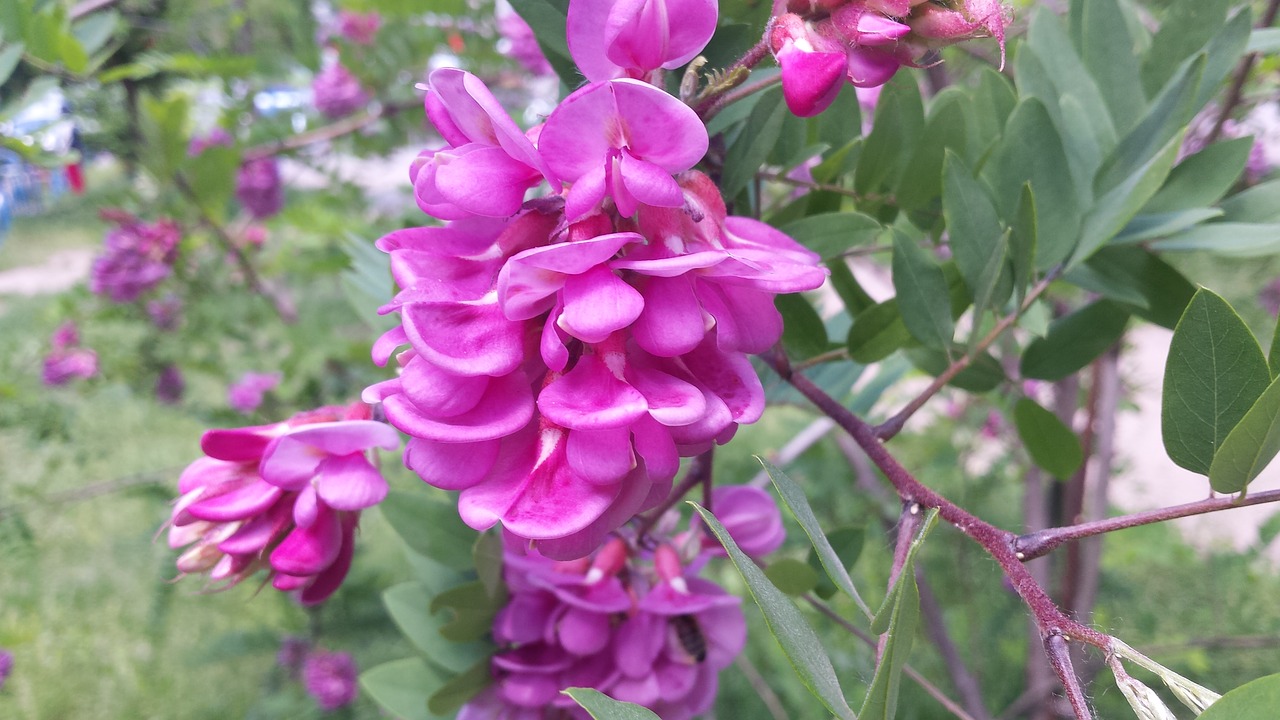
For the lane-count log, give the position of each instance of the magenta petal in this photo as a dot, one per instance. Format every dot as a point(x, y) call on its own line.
point(289, 583)
point(597, 304)
point(672, 322)
point(331, 578)
point(438, 392)
point(671, 401)
point(306, 507)
point(307, 551)
point(347, 436)
point(731, 378)
point(638, 642)
point(654, 444)
point(584, 29)
point(290, 463)
point(586, 194)
point(485, 181)
point(583, 632)
point(350, 482)
point(746, 320)
point(387, 343)
point(254, 536)
point(634, 493)
point(870, 67)
point(659, 127)
point(527, 690)
point(601, 457)
point(239, 504)
point(451, 466)
point(465, 338)
point(590, 397)
point(810, 80)
point(506, 406)
point(649, 34)
point(528, 280)
point(649, 183)
point(239, 444)
point(553, 349)
point(581, 131)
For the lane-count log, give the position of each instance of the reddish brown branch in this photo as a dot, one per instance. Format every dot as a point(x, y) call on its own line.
point(1235, 94)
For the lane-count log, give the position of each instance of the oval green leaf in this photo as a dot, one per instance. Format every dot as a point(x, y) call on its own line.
point(603, 707)
point(1250, 445)
point(1256, 700)
point(1051, 444)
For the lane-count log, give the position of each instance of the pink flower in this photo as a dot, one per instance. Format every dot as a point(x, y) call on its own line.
point(751, 517)
point(631, 38)
point(330, 678)
point(66, 360)
point(519, 43)
point(821, 45)
point(489, 164)
point(6, 666)
point(336, 92)
point(622, 139)
point(245, 395)
point(217, 137)
point(170, 385)
point(137, 256)
point(285, 498)
point(165, 312)
point(359, 28)
point(258, 187)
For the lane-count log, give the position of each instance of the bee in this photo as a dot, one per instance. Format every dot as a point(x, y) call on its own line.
point(689, 635)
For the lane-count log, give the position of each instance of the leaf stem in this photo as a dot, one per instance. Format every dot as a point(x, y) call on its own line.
point(894, 425)
point(699, 473)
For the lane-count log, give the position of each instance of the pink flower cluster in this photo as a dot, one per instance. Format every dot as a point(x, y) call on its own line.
point(519, 43)
point(823, 44)
point(637, 625)
point(284, 498)
point(330, 678)
point(137, 256)
point(359, 28)
point(66, 360)
point(336, 92)
point(245, 395)
point(566, 350)
point(258, 187)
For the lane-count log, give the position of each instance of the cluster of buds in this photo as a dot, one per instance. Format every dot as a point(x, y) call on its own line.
point(336, 92)
point(66, 360)
point(258, 187)
point(284, 498)
point(136, 257)
point(245, 395)
point(638, 625)
point(822, 44)
point(359, 28)
point(567, 349)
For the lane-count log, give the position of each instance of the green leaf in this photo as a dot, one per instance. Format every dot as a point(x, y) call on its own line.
point(1150, 227)
point(1147, 285)
point(1117, 207)
point(830, 234)
point(1250, 445)
point(1031, 151)
point(1051, 444)
point(487, 556)
point(1264, 40)
point(164, 124)
point(984, 373)
point(403, 687)
point(847, 543)
point(409, 606)
point(972, 223)
point(1258, 204)
point(455, 693)
point(1024, 243)
point(855, 299)
point(212, 177)
point(1273, 355)
point(946, 128)
point(1214, 374)
point(1108, 51)
point(901, 615)
point(367, 282)
point(922, 293)
point(1187, 26)
point(93, 31)
point(470, 611)
point(791, 576)
point(603, 707)
point(1255, 700)
point(9, 58)
point(1228, 239)
point(430, 527)
point(1203, 178)
point(803, 333)
point(796, 501)
point(794, 635)
point(751, 148)
point(899, 122)
point(1074, 341)
point(877, 332)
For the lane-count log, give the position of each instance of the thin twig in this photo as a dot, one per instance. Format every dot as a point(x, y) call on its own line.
point(840, 353)
point(1037, 544)
point(997, 543)
point(714, 102)
point(1236, 92)
point(1059, 652)
point(699, 472)
point(951, 705)
point(810, 185)
point(893, 425)
point(761, 686)
point(345, 126)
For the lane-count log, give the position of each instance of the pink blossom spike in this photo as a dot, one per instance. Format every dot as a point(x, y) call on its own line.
point(506, 406)
point(465, 338)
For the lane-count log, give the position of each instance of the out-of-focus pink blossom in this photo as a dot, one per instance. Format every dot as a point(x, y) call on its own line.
point(165, 312)
point(292, 653)
point(336, 92)
point(170, 385)
point(258, 187)
point(245, 395)
point(217, 137)
point(66, 360)
point(256, 235)
point(519, 43)
point(631, 38)
point(359, 28)
point(330, 678)
point(751, 517)
point(284, 498)
point(136, 257)
point(6, 666)
point(1269, 297)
